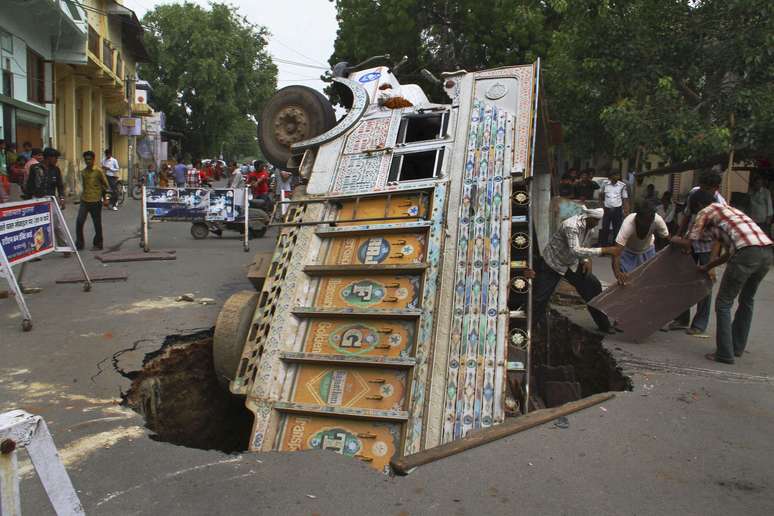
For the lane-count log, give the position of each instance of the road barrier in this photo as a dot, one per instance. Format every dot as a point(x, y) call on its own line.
point(28, 230)
point(19, 429)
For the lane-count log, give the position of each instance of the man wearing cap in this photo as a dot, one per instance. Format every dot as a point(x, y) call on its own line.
point(568, 255)
point(45, 180)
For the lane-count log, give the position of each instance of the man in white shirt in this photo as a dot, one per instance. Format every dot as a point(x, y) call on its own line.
point(636, 240)
point(614, 198)
point(111, 168)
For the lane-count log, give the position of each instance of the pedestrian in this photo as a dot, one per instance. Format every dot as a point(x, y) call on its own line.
point(567, 255)
point(16, 171)
point(636, 240)
point(739, 242)
point(614, 198)
point(151, 177)
point(164, 176)
point(5, 181)
point(566, 187)
point(94, 182)
point(27, 153)
point(45, 180)
point(111, 169)
point(10, 154)
point(36, 156)
point(180, 173)
point(284, 182)
point(236, 178)
point(701, 250)
point(651, 197)
point(760, 205)
point(666, 209)
point(259, 180)
point(193, 179)
point(585, 186)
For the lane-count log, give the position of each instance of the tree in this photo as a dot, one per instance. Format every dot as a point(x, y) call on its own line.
point(684, 79)
point(210, 73)
point(440, 35)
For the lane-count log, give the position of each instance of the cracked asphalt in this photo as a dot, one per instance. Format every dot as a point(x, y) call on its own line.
point(693, 437)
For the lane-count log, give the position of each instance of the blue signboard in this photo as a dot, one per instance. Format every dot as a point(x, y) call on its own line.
point(191, 204)
point(26, 230)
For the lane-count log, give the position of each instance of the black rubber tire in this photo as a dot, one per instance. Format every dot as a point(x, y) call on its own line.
point(231, 331)
point(137, 192)
point(312, 103)
point(199, 230)
point(258, 233)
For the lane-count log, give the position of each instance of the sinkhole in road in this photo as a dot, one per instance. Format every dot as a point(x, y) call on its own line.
point(570, 362)
point(182, 402)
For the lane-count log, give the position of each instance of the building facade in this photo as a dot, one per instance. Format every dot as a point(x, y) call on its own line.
point(35, 35)
point(94, 99)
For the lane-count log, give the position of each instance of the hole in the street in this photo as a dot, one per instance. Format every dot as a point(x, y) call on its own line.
point(570, 363)
point(181, 400)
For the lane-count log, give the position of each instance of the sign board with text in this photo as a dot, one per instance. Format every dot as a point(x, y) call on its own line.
point(193, 204)
point(26, 230)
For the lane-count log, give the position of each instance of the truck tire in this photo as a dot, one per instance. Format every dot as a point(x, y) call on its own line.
point(231, 331)
point(293, 114)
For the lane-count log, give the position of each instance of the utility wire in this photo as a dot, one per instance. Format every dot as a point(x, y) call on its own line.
point(296, 51)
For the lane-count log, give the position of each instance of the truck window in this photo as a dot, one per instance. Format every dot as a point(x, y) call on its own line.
point(416, 165)
point(419, 128)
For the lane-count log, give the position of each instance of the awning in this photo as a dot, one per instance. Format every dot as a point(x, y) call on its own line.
point(131, 30)
point(25, 106)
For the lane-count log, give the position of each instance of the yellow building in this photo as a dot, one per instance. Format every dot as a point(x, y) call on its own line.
point(92, 99)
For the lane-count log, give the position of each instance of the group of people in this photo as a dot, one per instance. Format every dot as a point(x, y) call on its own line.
point(712, 231)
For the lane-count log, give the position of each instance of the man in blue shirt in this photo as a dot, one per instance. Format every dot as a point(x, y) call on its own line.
point(180, 171)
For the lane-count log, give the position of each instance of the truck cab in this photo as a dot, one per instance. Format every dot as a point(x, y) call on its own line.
point(395, 312)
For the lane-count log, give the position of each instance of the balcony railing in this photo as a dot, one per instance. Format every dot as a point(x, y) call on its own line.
point(93, 41)
point(107, 54)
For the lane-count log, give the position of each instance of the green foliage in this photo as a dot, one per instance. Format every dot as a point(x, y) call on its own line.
point(440, 35)
point(211, 73)
point(681, 78)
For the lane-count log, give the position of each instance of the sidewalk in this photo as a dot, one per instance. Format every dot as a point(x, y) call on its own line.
point(690, 439)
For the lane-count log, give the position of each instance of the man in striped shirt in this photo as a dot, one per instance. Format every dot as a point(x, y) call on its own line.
point(748, 251)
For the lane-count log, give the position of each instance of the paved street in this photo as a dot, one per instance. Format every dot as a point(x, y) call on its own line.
point(692, 438)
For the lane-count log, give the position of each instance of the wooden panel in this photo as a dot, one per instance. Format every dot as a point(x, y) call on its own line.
point(368, 291)
point(397, 248)
point(350, 387)
point(373, 442)
point(356, 338)
point(405, 208)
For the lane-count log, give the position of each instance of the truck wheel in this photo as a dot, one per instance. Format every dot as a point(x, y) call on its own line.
point(231, 331)
point(199, 230)
point(293, 114)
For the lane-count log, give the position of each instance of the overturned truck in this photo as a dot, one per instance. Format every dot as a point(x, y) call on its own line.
point(395, 309)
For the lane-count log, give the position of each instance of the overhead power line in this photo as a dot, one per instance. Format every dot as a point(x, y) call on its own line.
point(297, 63)
point(296, 51)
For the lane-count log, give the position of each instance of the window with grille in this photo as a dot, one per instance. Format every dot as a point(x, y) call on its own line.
point(416, 165)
